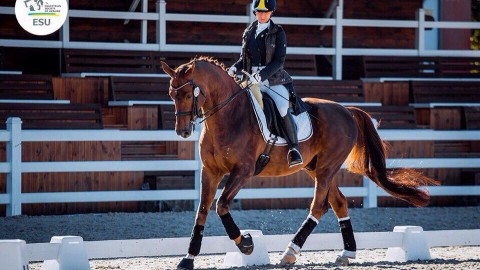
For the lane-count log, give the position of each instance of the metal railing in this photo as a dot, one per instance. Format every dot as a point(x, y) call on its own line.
point(14, 167)
point(338, 22)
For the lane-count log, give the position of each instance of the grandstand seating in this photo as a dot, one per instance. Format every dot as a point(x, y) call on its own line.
point(301, 65)
point(109, 61)
point(144, 91)
point(445, 92)
point(53, 116)
point(2, 58)
point(339, 91)
point(37, 87)
point(129, 62)
point(392, 117)
point(472, 117)
point(420, 67)
point(106, 63)
point(139, 88)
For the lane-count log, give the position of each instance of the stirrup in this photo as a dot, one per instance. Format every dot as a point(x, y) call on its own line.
point(294, 157)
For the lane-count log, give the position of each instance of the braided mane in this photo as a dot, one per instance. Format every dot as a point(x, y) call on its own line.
point(210, 59)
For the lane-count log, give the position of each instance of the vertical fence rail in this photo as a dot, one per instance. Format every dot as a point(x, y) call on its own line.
point(144, 26)
point(338, 44)
point(161, 24)
point(14, 157)
point(420, 32)
point(197, 177)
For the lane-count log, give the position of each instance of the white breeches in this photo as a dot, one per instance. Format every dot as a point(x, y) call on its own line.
point(280, 96)
point(278, 93)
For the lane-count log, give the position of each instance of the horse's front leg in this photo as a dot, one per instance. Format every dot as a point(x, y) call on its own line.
point(209, 183)
point(238, 177)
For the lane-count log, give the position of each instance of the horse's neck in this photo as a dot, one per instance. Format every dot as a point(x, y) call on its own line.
point(234, 117)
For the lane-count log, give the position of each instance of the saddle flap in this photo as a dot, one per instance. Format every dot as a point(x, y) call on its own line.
point(304, 124)
point(272, 116)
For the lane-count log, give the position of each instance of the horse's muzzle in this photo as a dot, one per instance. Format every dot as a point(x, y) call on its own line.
point(186, 131)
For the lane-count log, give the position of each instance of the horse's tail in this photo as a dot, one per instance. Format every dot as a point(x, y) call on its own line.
point(368, 158)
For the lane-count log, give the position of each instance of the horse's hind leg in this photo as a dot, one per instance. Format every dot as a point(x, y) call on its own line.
point(235, 182)
point(317, 209)
point(339, 205)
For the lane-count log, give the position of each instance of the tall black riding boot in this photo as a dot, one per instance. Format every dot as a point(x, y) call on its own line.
point(293, 157)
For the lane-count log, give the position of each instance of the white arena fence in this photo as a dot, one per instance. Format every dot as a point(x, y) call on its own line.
point(334, 19)
point(14, 167)
point(405, 243)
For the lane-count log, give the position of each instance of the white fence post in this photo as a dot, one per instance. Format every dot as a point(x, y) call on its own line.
point(338, 44)
point(144, 30)
point(251, 17)
point(371, 200)
point(14, 158)
point(65, 33)
point(161, 24)
point(197, 173)
point(420, 32)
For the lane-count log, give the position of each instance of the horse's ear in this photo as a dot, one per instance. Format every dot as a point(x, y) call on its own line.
point(189, 71)
point(167, 69)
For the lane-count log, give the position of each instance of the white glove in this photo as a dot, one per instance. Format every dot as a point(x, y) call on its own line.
point(255, 79)
point(232, 70)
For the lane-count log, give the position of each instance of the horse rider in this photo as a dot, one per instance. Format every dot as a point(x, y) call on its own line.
point(264, 48)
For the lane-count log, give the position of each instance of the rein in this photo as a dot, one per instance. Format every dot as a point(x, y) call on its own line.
point(195, 112)
point(220, 105)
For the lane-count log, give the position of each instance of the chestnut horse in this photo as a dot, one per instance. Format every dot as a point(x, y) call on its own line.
point(231, 142)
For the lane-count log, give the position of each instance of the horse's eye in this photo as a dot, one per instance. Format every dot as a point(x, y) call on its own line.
point(189, 96)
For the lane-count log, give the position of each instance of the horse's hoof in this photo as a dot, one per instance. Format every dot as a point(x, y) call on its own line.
point(185, 264)
point(341, 261)
point(289, 258)
point(246, 244)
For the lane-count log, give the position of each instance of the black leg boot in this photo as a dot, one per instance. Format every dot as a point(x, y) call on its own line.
point(294, 157)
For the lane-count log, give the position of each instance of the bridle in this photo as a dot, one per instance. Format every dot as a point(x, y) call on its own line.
point(195, 113)
point(196, 91)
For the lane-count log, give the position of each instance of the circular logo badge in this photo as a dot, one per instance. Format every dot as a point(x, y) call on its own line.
point(41, 17)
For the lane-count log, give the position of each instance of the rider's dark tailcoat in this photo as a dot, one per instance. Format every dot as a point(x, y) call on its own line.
point(268, 49)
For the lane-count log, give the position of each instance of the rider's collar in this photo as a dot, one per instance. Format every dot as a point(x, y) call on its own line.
point(261, 27)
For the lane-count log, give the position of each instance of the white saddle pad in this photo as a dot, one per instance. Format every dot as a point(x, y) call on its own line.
point(304, 124)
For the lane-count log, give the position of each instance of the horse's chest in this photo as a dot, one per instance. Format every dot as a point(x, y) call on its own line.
point(224, 154)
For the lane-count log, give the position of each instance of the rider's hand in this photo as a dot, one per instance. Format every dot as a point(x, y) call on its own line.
point(255, 79)
point(293, 97)
point(232, 70)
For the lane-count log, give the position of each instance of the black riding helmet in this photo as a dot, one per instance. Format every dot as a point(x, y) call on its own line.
point(263, 5)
